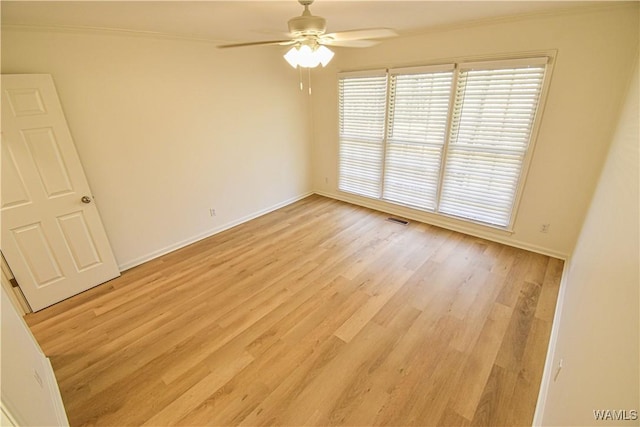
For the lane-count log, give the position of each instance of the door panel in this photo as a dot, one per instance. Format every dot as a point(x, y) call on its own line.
point(79, 240)
point(54, 242)
point(44, 150)
point(14, 190)
point(26, 102)
point(35, 251)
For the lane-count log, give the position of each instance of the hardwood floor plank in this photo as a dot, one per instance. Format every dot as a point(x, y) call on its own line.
point(513, 345)
point(272, 409)
point(480, 361)
point(522, 405)
point(328, 393)
point(451, 418)
point(197, 394)
point(406, 389)
point(319, 313)
point(431, 402)
point(120, 365)
point(549, 292)
point(476, 315)
point(493, 408)
point(514, 279)
point(390, 285)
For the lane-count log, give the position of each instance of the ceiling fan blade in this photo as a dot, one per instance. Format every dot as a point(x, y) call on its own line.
point(350, 43)
point(370, 33)
point(263, 43)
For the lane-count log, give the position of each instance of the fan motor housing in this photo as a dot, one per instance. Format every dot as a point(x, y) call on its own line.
point(307, 25)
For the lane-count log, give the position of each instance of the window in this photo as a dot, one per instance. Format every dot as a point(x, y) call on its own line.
point(418, 110)
point(449, 139)
point(362, 122)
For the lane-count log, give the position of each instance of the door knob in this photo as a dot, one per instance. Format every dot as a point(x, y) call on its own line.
point(85, 199)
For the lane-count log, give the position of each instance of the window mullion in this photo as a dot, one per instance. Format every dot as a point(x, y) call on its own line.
point(448, 133)
point(385, 137)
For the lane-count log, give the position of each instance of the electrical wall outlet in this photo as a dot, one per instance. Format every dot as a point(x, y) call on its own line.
point(544, 228)
point(212, 212)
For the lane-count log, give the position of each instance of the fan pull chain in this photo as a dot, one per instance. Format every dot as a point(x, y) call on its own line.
point(309, 73)
point(300, 76)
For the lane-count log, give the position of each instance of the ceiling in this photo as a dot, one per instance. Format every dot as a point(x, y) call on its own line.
point(237, 21)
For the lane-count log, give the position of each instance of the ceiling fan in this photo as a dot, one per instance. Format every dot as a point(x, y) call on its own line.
point(309, 39)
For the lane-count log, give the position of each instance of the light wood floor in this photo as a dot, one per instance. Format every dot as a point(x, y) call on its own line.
point(321, 313)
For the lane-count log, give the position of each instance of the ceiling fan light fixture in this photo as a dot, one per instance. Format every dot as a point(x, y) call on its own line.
point(324, 54)
point(306, 57)
point(292, 57)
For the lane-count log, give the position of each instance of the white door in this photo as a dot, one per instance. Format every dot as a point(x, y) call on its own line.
point(52, 235)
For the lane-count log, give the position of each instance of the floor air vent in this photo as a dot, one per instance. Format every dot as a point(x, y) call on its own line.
point(398, 220)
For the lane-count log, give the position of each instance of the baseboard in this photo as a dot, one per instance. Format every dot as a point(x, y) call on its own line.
point(494, 235)
point(549, 366)
point(208, 233)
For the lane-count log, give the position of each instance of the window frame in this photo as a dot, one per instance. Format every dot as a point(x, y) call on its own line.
point(548, 57)
point(407, 71)
point(365, 74)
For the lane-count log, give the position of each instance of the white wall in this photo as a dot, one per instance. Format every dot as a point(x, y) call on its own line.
point(593, 61)
point(167, 129)
point(598, 329)
point(29, 392)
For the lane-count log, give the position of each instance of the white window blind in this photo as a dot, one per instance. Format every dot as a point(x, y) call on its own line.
point(448, 139)
point(362, 114)
point(493, 117)
point(417, 125)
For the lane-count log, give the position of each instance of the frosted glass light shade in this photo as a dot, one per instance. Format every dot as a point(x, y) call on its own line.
point(306, 57)
point(324, 55)
point(292, 57)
